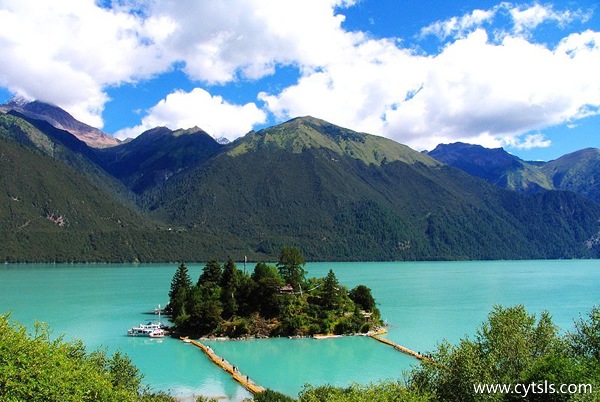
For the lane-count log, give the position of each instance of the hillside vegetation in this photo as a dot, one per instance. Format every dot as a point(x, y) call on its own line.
point(335, 193)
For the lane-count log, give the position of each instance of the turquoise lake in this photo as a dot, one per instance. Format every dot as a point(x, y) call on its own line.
point(423, 302)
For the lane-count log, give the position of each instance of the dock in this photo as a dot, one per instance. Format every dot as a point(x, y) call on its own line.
point(403, 349)
point(228, 367)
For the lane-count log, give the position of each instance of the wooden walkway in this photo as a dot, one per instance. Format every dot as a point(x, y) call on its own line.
point(377, 337)
point(228, 367)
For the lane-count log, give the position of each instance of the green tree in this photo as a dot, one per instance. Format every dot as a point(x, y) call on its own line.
point(331, 292)
point(36, 368)
point(508, 348)
point(230, 280)
point(361, 296)
point(291, 266)
point(181, 285)
point(265, 295)
point(205, 311)
point(385, 391)
point(272, 396)
point(263, 271)
point(585, 341)
point(211, 273)
point(123, 373)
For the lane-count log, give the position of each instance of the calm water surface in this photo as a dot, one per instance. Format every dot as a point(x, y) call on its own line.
point(423, 302)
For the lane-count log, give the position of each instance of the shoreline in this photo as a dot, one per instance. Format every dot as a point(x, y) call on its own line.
point(374, 332)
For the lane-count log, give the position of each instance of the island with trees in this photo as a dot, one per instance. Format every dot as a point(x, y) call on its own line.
point(275, 300)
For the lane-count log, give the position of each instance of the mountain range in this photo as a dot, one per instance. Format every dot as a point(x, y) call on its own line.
point(578, 171)
point(173, 195)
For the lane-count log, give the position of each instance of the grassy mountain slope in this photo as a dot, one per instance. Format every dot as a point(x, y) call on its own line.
point(335, 193)
point(578, 172)
point(305, 133)
point(52, 212)
point(345, 195)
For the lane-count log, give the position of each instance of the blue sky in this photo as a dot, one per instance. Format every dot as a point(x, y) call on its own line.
point(521, 75)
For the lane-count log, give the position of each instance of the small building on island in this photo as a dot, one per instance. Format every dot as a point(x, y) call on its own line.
point(287, 289)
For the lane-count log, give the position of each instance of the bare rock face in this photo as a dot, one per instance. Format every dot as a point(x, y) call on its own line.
point(61, 120)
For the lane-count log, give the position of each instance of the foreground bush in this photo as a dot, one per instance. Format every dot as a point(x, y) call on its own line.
point(513, 347)
point(36, 368)
point(385, 391)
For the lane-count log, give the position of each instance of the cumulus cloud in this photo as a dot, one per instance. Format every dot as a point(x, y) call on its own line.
point(67, 52)
point(505, 90)
point(490, 91)
point(220, 40)
point(529, 141)
point(199, 108)
point(527, 18)
point(489, 83)
point(357, 89)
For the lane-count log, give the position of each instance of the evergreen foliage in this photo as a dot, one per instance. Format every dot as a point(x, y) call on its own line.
point(362, 297)
point(577, 171)
point(290, 265)
point(384, 391)
point(229, 302)
point(181, 287)
point(511, 347)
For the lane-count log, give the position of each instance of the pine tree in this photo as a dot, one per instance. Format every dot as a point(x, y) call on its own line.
point(331, 291)
point(181, 285)
point(211, 273)
point(181, 280)
point(229, 286)
point(290, 265)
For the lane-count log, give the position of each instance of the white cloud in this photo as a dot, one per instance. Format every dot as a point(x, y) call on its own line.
point(356, 90)
point(489, 91)
point(199, 108)
point(67, 52)
point(458, 26)
point(219, 40)
point(523, 18)
point(526, 18)
point(473, 90)
point(537, 140)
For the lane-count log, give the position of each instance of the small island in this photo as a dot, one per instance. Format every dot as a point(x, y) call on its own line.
point(275, 300)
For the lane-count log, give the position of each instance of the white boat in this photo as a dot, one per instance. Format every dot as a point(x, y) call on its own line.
point(150, 329)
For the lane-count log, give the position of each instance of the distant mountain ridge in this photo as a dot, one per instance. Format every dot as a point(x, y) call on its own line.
point(336, 193)
point(578, 171)
point(60, 119)
point(156, 155)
